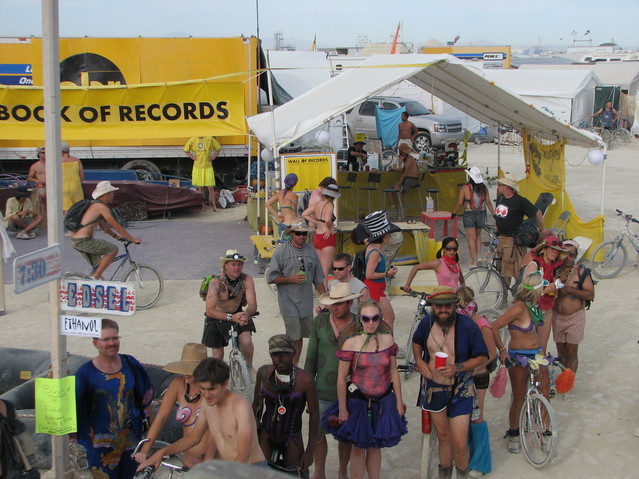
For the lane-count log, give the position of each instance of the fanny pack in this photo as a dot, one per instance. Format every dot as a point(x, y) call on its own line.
point(352, 391)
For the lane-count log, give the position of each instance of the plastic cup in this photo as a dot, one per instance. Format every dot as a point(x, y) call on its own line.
point(440, 359)
point(305, 276)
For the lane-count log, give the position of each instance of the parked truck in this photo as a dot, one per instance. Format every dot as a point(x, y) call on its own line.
point(91, 62)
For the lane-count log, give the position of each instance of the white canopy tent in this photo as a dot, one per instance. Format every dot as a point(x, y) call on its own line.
point(446, 77)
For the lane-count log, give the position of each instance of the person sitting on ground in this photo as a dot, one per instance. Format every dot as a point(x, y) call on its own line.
point(446, 266)
point(226, 296)
point(475, 198)
point(100, 253)
point(287, 201)
point(226, 415)
point(523, 319)
point(282, 393)
point(188, 398)
point(20, 215)
point(480, 457)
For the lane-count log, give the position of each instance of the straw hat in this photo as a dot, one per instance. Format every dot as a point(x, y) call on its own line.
point(340, 293)
point(554, 243)
point(446, 297)
point(298, 227)
point(332, 191)
point(102, 189)
point(509, 180)
point(231, 255)
point(475, 175)
point(378, 225)
point(192, 354)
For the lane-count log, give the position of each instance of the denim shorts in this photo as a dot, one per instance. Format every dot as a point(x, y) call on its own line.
point(474, 219)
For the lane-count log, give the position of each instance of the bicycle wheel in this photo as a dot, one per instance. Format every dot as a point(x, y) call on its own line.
point(488, 286)
point(164, 472)
point(72, 275)
point(608, 259)
point(240, 379)
point(538, 430)
point(148, 284)
point(409, 362)
point(622, 136)
point(491, 315)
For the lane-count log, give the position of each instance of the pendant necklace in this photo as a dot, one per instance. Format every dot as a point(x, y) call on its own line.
point(441, 345)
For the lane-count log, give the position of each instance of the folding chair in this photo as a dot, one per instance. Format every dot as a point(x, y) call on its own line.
point(558, 227)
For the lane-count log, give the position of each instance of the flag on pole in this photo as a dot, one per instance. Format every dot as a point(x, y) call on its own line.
point(314, 45)
point(394, 47)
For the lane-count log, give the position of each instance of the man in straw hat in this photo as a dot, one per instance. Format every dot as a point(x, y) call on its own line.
point(227, 294)
point(284, 391)
point(322, 364)
point(448, 391)
point(356, 153)
point(226, 415)
point(113, 398)
point(101, 253)
point(509, 215)
point(295, 268)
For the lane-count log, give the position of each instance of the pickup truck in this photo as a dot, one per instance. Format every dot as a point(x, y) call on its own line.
point(434, 130)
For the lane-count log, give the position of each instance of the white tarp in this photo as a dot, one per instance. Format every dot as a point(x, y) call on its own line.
point(446, 77)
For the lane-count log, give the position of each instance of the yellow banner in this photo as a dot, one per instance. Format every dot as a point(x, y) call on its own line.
point(545, 163)
point(180, 109)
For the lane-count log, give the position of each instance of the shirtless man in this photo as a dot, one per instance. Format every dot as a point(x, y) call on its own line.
point(224, 300)
point(407, 131)
point(38, 173)
point(409, 178)
point(101, 253)
point(569, 320)
point(227, 415)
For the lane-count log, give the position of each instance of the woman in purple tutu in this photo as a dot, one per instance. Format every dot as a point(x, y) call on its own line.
point(369, 412)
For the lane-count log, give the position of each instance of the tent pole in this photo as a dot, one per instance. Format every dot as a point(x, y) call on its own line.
point(274, 149)
point(603, 179)
point(498, 149)
point(250, 137)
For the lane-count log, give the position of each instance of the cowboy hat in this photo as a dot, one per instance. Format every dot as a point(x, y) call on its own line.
point(551, 242)
point(445, 297)
point(475, 175)
point(102, 189)
point(231, 255)
point(23, 192)
point(509, 180)
point(332, 191)
point(281, 343)
point(378, 225)
point(298, 227)
point(192, 354)
point(340, 293)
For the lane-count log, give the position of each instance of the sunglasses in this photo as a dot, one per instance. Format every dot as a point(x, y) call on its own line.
point(451, 248)
point(368, 319)
point(336, 268)
point(300, 233)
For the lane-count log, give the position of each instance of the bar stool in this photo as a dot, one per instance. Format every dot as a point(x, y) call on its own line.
point(350, 180)
point(422, 178)
point(373, 185)
point(434, 191)
point(444, 216)
point(398, 192)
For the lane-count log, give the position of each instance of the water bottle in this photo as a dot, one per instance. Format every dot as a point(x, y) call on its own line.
point(426, 427)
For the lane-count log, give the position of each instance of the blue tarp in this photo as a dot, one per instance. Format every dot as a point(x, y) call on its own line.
point(388, 125)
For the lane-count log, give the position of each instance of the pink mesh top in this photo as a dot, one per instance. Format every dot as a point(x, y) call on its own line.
point(372, 375)
point(445, 277)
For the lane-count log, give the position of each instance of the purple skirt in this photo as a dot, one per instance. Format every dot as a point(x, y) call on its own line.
point(384, 429)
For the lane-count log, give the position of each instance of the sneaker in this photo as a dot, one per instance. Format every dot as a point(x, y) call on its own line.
point(23, 235)
point(514, 443)
point(32, 235)
point(636, 432)
point(475, 474)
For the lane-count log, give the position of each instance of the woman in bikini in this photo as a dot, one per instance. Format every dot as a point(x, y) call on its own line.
point(475, 198)
point(446, 266)
point(287, 201)
point(523, 319)
point(369, 409)
point(323, 217)
point(187, 396)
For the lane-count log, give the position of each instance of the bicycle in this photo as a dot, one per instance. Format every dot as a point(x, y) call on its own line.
point(240, 380)
point(613, 253)
point(537, 422)
point(147, 280)
point(409, 362)
point(491, 291)
point(150, 473)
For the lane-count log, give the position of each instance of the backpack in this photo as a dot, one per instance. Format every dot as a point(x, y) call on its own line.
point(204, 286)
point(585, 272)
point(18, 457)
point(526, 235)
point(73, 219)
point(359, 265)
point(303, 202)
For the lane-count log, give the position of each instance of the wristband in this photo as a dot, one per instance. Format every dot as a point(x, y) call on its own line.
point(559, 284)
point(229, 317)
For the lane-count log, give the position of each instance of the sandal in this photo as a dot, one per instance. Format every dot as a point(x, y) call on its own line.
point(23, 235)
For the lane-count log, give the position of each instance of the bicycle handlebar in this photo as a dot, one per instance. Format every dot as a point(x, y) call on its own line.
point(415, 294)
point(626, 216)
point(145, 473)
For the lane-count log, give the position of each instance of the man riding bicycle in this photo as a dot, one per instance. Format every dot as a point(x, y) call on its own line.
point(101, 253)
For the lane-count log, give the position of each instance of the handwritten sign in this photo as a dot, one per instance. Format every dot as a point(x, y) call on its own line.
point(90, 296)
point(80, 326)
point(55, 406)
point(39, 267)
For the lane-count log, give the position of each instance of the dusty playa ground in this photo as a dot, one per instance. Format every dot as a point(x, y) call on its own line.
point(595, 429)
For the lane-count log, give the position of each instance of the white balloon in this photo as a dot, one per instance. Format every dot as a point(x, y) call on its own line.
point(266, 155)
point(595, 157)
point(322, 138)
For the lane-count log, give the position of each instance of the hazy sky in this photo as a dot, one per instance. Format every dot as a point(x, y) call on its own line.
point(339, 22)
